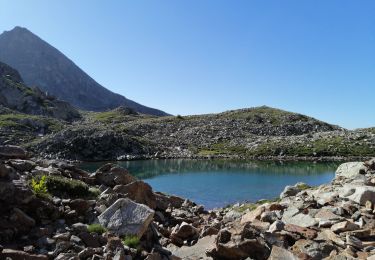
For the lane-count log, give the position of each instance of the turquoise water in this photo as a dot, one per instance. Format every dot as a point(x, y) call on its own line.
point(217, 183)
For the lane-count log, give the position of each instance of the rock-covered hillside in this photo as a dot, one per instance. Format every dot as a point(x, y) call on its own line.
point(260, 132)
point(54, 210)
point(42, 65)
point(15, 95)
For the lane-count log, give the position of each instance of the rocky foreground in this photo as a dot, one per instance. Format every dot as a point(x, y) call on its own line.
point(52, 210)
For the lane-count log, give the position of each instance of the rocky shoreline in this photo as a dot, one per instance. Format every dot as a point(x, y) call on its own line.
point(53, 210)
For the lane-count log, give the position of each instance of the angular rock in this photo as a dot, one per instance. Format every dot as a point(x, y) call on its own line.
point(183, 232)
point(250, 216)
point(344, 226)
point(300, 219)
point(358, 194)
point(279, 253)
point(126, 217)
point(110, 175)
point(138, 191)
point(350, 169)
point(304, 232)
point(12, 152)
point(289, 191)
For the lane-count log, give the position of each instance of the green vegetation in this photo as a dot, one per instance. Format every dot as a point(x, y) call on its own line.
point(22, 121)
point(96, 228)
point(179, 117)
point(222, 149)
point(303, 186)
point(131, 241)
point(64, 187)
point(39, 187)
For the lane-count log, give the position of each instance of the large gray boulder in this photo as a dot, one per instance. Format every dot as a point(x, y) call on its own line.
point(350, 169)
point(358, 194)
point(126, 217)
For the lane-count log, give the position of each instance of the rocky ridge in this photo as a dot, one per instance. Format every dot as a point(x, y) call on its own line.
point(15, 95)
point(52, 210)
point(260, 132)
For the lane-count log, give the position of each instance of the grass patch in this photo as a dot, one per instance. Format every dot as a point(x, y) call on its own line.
point(131, 241)
point(303, 186)
point(96, 228)
point(62, 187)
point(222, 149)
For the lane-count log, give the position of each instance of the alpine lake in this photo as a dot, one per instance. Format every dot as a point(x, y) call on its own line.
point(218, 183)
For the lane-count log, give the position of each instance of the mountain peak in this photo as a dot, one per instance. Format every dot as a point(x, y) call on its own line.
point(42, 65)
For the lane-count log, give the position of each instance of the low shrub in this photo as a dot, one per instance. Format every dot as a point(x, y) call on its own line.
point(64, 187)
point(39, 186)
point(96, 228)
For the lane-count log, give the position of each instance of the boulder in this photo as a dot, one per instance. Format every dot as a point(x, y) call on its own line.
point(279, 253)
point(111, 175)
point(359, 194)
point(289, 191)
point(12, 152)
point(138, 191)
point(126, 217)
point(370, 164)
point(252, 215)
point(300, 219)
point(22, 220)
point(344, 226)
point(350, 170)
point(183, 232)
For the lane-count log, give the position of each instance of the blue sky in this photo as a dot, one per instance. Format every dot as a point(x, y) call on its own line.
point(194, 57)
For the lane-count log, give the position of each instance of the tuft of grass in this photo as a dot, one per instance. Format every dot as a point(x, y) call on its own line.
point(131, 241)
point(96, 228)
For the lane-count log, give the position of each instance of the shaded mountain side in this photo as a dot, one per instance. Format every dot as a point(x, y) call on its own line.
point(15, 95)
point(260, 132)
point(42, 65)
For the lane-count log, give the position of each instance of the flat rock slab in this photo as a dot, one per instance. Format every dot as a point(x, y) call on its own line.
point(197, 251)
point(300, 219)
point(126, 217)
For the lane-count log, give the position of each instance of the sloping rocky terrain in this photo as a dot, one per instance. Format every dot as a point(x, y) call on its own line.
point(44, 66)
point(260, 132)
point(14, 94)
point(52, 210)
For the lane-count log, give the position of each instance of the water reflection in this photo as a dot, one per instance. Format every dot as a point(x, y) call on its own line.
point(216, 183)
point(145, 169)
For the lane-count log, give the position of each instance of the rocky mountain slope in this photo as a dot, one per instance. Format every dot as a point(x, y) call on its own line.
point(42, 65)
point(15, 95)
point(53, 210)
point(260, 132)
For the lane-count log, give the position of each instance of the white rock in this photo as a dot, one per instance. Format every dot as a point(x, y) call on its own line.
point(125, 217)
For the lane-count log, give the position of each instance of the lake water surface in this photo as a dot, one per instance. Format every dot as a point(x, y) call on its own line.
point(217, 183)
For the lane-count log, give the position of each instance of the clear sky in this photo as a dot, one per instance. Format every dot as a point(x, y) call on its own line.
point(315, 57)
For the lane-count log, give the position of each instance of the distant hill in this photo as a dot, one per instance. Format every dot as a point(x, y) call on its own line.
point(44, 66)
point(15, 95)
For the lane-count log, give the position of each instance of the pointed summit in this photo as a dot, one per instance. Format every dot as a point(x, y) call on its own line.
point(42, 65)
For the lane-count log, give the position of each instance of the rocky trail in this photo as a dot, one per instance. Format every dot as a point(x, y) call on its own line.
point(51, 209)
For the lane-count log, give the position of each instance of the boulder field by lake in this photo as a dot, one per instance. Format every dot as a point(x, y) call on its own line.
point(51, 209)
